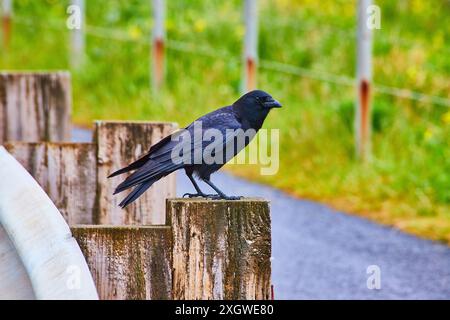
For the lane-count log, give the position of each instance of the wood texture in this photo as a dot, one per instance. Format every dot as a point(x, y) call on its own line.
point(66, 171)
point(132, 262)
point(221, 249)
point(119, 144)
point(35, 107)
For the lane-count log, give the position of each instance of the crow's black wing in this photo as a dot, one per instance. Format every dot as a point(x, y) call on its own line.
point(160, 162)
point(154, 151)
point(232, 137)
point(153, 166)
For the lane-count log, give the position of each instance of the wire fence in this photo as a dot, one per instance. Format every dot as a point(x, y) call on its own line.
point(192, 48)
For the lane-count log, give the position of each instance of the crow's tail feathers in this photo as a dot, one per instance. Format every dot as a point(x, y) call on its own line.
point(136, 193)
point(144, 178)
point(156, 164)
point(133, 166)
point(156, 149)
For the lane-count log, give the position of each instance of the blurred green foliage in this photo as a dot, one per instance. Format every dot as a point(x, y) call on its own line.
point(407, 183)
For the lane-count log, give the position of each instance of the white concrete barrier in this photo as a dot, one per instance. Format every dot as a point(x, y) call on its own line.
point(14, 281)
point(51, 257)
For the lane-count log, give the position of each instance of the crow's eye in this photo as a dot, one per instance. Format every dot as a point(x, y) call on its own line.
point(260, 100)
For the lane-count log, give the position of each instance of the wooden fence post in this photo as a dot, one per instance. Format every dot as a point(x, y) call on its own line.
point(66, 171)
point(119, 144)
point(221, 249)
point(35, 107)
point(250, 44)
point(364, 78)
point(6, 22)
point(128, 262)
point(158, 36)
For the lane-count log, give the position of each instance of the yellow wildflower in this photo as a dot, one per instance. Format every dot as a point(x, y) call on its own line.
point(446, 117)
point(199, 25)
point(240, 30)
point(170, 25)
point(428, 134)
point(134, 32)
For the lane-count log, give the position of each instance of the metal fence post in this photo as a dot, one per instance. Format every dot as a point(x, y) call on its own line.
point(7, 6)
point(250, 44)
point(77, 35)
point(158, 44)
point(364, 78)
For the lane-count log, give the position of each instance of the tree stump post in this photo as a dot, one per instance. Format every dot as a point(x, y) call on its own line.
point(119, 144)
point(35, 107)
point(128, 262)
point(221, 249)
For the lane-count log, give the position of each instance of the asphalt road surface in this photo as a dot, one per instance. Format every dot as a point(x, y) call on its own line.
point(319, 253)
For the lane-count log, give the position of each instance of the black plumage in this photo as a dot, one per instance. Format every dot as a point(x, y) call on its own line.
point(247, 114)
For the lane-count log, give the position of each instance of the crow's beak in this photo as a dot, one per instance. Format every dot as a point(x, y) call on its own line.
point(272, 104)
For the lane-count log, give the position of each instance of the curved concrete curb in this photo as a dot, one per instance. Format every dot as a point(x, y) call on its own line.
point(14, 281)
point(52, 258)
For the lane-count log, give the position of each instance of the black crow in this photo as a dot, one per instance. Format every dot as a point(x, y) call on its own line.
point(232, 128)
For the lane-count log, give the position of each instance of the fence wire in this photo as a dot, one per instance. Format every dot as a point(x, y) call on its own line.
point(188, 47)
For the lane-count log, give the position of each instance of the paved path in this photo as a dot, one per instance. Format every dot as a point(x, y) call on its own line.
point(323, 254)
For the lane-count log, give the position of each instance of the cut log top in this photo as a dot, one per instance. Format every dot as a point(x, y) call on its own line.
point(12, 145)
point(115, 228)
point(141, 122)
point(202, 206)
point(221, 201)
point(34, 73)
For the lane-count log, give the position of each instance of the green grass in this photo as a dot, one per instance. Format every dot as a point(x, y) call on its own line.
point(407, 184)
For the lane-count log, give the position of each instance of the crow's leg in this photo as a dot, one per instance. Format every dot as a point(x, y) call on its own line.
point(220, 194)
point(197, 188)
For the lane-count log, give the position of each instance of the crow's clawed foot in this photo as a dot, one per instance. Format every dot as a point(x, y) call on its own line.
point(193, 195)
point(224, 197)
point(232, 197)
point(214, 197)
point(199, 195)
point(211, 196)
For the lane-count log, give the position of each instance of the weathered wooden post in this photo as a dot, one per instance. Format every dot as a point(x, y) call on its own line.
point(6, 22)
point(250, 44)
point(364, 78)
point(207, 250)
point(128, 262)
point(221, 249)
point(158, 44)
point(74, 175)
point(35, 106)
point(66, 171)
point(119, 144)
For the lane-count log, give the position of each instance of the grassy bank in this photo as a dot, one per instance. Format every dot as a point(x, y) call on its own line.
point(407, 184)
